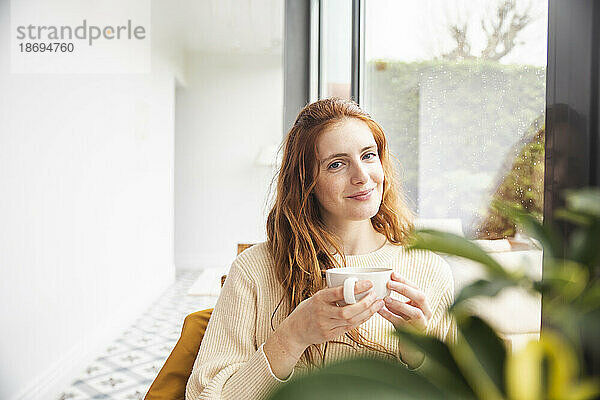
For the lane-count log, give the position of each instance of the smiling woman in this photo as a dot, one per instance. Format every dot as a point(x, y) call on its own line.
point(338, 203)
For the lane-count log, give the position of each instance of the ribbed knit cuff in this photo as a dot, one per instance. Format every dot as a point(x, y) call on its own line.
point(254, 380)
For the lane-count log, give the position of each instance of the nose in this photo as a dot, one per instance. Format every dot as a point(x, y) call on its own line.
point(360, 174)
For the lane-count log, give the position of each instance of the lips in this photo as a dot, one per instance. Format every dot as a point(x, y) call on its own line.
point(362, 193)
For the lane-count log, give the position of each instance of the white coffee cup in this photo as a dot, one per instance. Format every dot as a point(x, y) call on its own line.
point(348, 277)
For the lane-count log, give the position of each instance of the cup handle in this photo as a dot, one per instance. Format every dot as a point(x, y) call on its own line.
point(349, 290)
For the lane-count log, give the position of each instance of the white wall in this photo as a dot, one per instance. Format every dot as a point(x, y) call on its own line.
point(86, 215)
point(231, 108)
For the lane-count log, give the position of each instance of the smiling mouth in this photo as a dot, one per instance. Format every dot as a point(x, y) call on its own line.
point(361, 196)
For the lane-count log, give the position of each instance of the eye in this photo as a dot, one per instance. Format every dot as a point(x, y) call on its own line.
point(371, 154)
point(332, 164)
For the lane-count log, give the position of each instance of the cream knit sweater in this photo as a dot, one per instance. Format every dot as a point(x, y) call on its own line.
point(231, 363)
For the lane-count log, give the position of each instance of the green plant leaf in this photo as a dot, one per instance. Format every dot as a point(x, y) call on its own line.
point(573, 217)
point(565, 281)
point(449, 243)
point(585, 201)
point(487, 347)
point(548, 368)
point(546, 234)
point(360, 378)
point(583, 246)
point(482, 287)
point(441, 369)
point(590, 299)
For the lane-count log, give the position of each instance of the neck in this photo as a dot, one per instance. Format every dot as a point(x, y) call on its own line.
point(358, 237)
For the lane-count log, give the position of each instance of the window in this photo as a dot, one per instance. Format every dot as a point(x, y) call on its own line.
point(335, 45)
point(459, 88)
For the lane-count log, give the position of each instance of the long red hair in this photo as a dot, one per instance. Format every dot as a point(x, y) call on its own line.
point(297, 236)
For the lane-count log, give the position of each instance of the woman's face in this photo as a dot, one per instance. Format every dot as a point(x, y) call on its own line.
point(349, 163)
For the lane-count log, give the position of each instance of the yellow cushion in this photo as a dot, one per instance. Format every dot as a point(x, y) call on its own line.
point(172, 378)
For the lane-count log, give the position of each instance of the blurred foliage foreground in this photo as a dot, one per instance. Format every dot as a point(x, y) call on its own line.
point(478, 366)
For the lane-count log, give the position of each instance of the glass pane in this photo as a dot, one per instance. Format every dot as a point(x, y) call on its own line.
point(459, 87)
point(336, 44)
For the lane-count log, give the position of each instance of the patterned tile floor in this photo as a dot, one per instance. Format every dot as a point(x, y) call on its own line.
point(128, 366)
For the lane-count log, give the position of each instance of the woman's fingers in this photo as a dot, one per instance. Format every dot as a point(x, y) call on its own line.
point(416, 296)
point(399, 278)
point(399, 311)
point(346, 318)
point(366, 314)
point(335, 294)
point(406, 310)
point(351, 310)
point(359, 319)
point(393, 318)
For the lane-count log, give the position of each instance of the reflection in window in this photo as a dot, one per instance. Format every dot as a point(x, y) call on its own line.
point(522, 185)
point(459, 88)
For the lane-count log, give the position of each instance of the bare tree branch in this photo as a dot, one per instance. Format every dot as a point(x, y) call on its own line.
point(501, 33)
point(463, 47)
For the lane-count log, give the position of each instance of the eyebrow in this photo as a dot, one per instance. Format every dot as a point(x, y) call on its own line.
point(346, 154)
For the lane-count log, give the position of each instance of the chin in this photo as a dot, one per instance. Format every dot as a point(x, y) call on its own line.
point(365, 214)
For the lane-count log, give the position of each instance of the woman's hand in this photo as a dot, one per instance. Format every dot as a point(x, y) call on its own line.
point(415, 313)
point(318, 319)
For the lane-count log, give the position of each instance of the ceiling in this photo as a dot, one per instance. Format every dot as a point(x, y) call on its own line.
point(221, 26)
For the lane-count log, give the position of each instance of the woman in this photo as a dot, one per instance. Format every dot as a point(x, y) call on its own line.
point(337, 203)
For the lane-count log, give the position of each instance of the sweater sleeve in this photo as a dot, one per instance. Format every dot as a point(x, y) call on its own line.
point(442, 324)
point(229, 364)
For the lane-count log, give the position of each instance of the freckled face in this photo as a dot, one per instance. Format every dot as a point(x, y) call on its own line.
point(356, 167)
